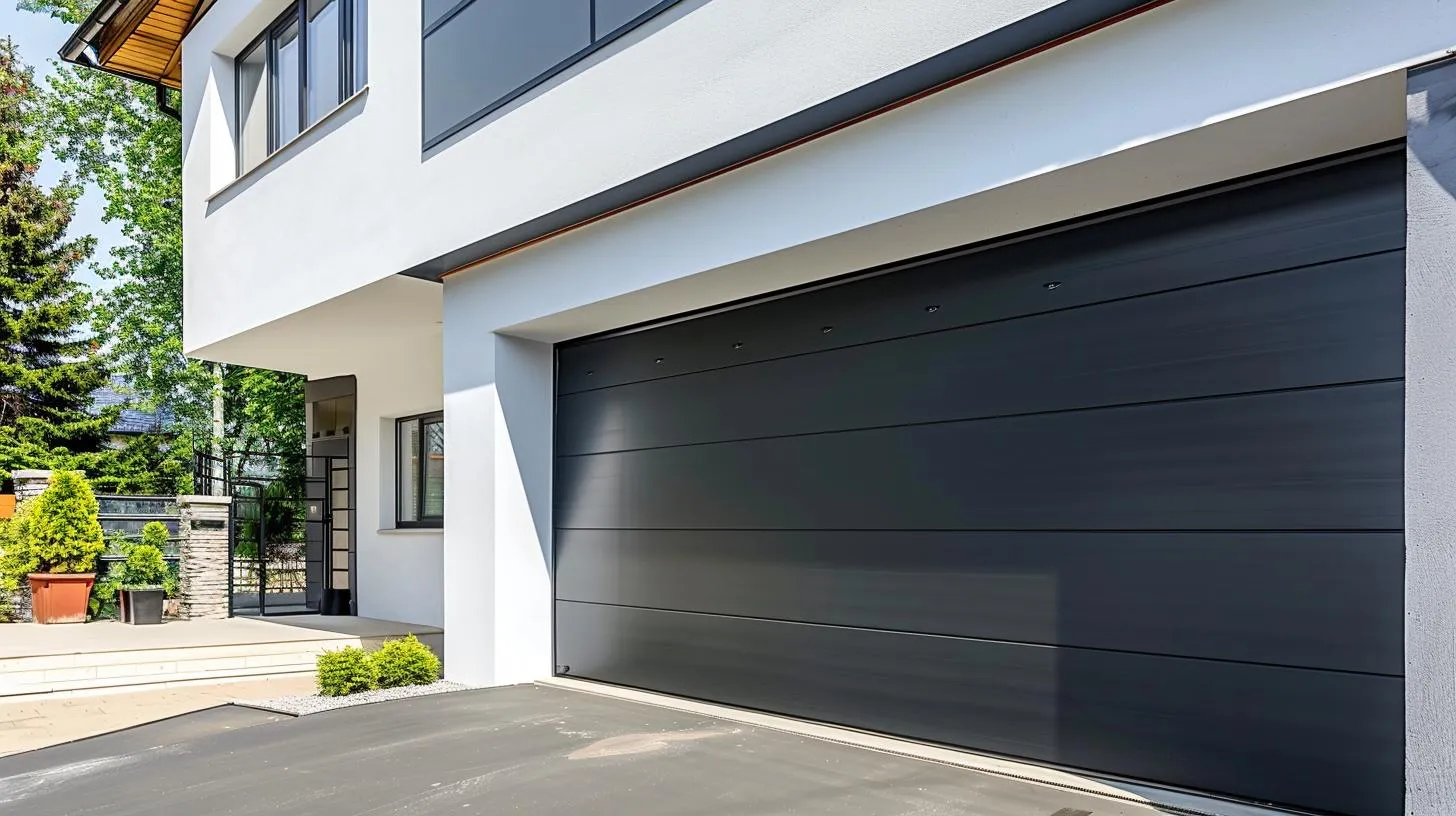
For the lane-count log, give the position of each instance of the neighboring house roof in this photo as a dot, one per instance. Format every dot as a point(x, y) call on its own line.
point(131, 420)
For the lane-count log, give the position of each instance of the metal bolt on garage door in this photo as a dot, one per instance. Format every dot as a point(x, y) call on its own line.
point(1123, 497)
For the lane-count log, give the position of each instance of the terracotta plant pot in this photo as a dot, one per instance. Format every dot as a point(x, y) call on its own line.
point(60, 598)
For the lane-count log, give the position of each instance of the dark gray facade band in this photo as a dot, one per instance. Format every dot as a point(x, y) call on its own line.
point(329, 388)
point(1126, 497)
point(1061, 20)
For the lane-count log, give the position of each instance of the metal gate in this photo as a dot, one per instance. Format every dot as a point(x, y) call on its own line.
point(289, 537)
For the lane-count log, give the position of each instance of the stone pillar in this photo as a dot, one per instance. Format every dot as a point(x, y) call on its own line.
point(203, 530)
point(30, 483)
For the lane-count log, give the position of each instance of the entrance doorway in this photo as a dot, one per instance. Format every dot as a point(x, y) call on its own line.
point(289, 536)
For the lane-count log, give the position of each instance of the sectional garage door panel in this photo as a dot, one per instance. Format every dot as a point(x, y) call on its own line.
point(1313, 218)
point(1286, 330)
point(1297, 460)
point(1252, 597)
point(1195, 723)
point(1126, 496)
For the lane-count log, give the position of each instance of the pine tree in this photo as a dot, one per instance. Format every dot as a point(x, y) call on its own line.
point(48, 365)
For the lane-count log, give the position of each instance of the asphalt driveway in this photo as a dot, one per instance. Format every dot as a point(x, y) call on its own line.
point(523, 749)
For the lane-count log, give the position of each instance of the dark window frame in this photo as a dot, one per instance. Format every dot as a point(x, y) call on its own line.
point(295, 13)
point(417, 493)
point(597, 43)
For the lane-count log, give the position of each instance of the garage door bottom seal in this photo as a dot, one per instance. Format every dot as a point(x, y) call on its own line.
point(1170, 800)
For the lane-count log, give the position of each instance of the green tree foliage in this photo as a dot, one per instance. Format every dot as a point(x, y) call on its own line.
point(111, 130)
point(62, 529)
point(48, 366)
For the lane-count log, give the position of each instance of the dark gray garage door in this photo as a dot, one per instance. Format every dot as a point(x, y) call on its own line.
point(1124, 497)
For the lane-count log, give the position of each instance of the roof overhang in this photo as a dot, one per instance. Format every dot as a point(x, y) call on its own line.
point(136, 39)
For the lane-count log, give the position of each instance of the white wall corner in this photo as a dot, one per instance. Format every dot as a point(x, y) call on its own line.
point(497, 573)
point(1430, 450)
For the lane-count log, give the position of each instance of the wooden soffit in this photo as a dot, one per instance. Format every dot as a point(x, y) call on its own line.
point(138, 39)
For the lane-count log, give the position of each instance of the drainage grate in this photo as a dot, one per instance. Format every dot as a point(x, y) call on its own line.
point(1071, 812)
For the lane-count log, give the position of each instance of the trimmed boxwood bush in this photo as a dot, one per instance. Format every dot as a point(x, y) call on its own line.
point(345, 671)
point(405, 662)
point(145, 568)
point(63, 530)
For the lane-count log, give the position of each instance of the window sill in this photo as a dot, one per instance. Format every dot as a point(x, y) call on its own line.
point(279, 154)
point(410, 531)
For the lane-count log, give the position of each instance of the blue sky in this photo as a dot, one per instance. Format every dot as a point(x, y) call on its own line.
point(38, 37)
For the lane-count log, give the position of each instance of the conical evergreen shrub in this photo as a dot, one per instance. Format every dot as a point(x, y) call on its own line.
point(63, 529)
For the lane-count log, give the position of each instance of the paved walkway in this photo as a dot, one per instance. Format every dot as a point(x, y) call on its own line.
point(30, 639)
point(25, 726)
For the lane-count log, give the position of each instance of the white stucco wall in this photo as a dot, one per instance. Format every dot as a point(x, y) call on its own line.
point(399, 572)
point(922, 178)
point(358, 201)
point(1430, 456)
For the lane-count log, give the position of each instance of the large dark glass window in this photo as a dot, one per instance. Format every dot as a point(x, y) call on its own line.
point(481, 54)
point(420, 465)
point(610, 15)
point(308, 61)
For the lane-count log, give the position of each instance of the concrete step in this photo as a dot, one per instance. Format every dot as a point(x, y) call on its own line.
point(57, 675)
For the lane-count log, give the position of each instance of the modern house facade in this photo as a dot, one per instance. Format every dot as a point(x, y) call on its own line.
point(1065, 380)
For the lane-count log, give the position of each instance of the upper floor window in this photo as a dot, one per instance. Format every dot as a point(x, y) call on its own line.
point(481, 54)
point(309, 60)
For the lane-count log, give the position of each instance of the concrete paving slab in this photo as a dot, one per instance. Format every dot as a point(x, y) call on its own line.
point(33, 639)
point(27, 724)
point(523, 749)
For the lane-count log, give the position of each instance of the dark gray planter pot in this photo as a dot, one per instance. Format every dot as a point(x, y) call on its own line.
point(141, 607)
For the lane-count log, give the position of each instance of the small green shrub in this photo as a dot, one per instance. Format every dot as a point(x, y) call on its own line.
point(155, 534)
point(62, 529)
point(17, 559)
point(145, 568)
point(172, 584)
point(103, 602)
point(405, 662)
point(345, 671)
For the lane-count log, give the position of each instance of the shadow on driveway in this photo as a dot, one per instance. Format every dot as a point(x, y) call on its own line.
point(523, 749)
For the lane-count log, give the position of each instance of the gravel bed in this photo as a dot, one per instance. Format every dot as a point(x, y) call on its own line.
point(304, 704)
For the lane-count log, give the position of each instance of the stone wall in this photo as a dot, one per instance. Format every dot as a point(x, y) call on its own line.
point(204, 548)
point(28, 485)
point(203, 534)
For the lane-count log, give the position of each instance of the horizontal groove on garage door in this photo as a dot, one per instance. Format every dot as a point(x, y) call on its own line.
point(1325, 740)
point(1341, 212)
point(1234, 596)
point(1329, 458)
point(1340, 322)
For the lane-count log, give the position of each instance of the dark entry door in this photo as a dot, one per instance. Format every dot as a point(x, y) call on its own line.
point(286, 518)
point(1125, 497)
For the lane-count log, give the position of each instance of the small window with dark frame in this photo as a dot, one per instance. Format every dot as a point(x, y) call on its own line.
point(307, 62)
point(420, 471)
